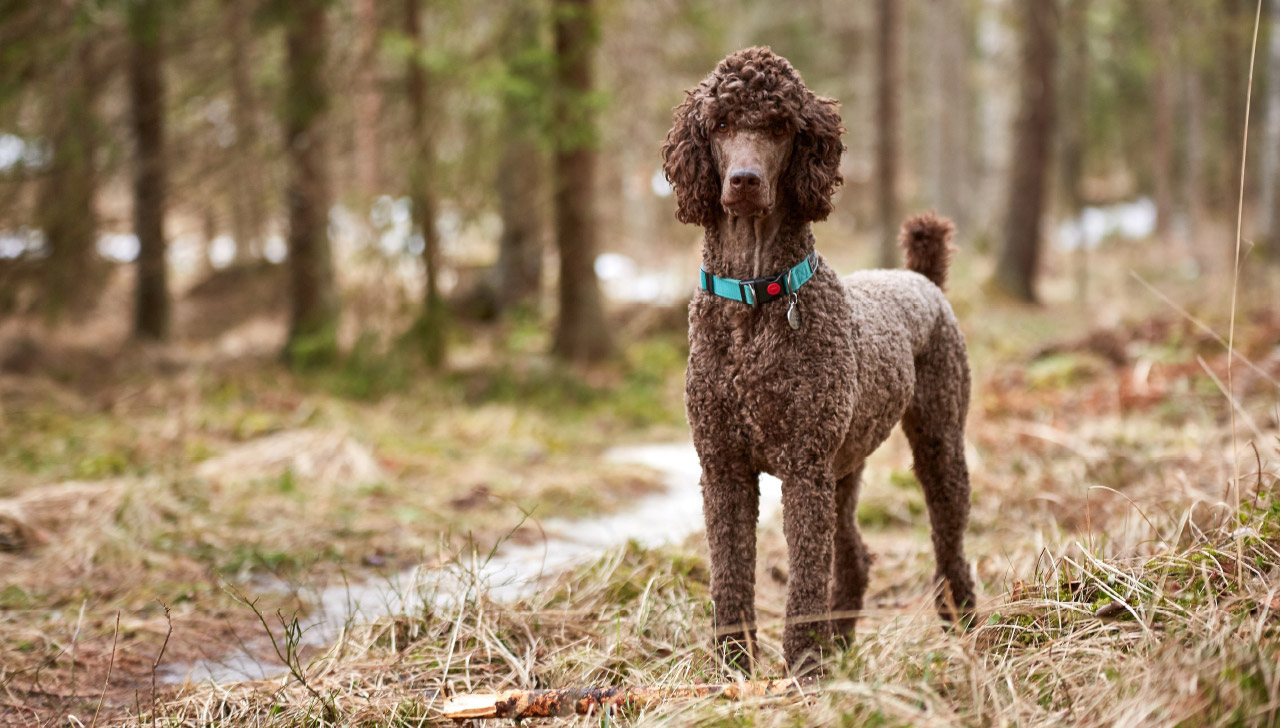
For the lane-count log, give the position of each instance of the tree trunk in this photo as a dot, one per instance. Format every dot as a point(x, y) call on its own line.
point(1033, 135)
point(523, 168)
point(430, 328)
point(72, 271)
point(368, 100)
point(889, 37)
point(146, 92)
point(581, 334)
point(1233, 74)
point(248, 203)
point(1162, 150)
point(1195, 183)
point(1073, 139)
point(1269, 204)
point(314, 310)
point(949, 93)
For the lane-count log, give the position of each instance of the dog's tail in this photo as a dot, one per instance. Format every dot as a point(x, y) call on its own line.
point(926, 238)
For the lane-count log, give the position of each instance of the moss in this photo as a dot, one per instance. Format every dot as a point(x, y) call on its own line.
point(15, 597)
point(904, 480)
point(1059, 371)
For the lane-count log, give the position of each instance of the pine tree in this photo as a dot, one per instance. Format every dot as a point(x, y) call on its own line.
point(1032, 142)
point(581, 334)
point(314, 303)
point(146, 92)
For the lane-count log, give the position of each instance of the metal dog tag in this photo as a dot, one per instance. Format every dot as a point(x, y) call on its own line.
point(793, 315)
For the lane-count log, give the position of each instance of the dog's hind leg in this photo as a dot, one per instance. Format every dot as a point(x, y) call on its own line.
point(850, 561)
point(731, 507)
point(934, 425)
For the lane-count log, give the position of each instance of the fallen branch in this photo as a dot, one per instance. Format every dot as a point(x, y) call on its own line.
point(519, 704)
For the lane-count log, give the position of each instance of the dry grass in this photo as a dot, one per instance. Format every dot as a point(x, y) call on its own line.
point(1102, 475)
point(1084, 639)
point(163, 477)
point(1101, 533)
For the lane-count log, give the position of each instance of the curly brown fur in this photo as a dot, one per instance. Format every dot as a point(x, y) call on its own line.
point(754, 88)
point(926, 239)
point(807, 405)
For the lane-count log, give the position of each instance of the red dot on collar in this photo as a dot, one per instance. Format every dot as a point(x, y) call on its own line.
point(774, 289)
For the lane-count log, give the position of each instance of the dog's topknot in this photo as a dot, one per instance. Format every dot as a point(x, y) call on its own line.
point(754, 87)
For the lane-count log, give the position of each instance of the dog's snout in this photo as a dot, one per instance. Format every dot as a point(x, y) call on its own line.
point(745, 178)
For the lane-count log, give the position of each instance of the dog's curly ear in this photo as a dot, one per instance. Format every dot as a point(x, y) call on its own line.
point(687, 163)
point(814, 170)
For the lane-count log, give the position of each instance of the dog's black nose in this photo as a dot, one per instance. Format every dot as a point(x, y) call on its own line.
point(745, 178)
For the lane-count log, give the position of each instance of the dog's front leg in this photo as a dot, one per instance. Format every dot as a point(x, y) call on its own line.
point(731, 506)
point(808, 511)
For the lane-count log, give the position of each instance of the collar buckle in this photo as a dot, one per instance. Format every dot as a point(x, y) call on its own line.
point(767, 288)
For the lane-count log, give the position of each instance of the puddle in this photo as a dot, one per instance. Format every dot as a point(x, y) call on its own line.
point(668, 516)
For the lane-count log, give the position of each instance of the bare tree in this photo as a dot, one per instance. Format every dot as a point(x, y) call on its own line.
point(1073, 137)
point(146, 92)
point(430, 328)
point(523, 167)
point(71, 271)
point(1234, 21)
point(1195, 178)
point(946, 31)
point(888, 44)
point(1269, 207)
point(1032, 140)
point(581, 334)
point(1162, 141)
point(248, 207)
point(314, 310)
point(367, 99)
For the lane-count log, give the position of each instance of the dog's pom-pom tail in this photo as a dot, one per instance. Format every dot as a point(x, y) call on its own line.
point(926, 239)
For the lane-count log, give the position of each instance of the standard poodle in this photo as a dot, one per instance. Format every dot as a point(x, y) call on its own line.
point(797, 372)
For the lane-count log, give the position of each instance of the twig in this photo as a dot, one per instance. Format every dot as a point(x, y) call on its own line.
point(156, 664)
point(110, 666)
point(520, 704)
point(1235, 281)
point(289, 654)
point(1203, 327)
point(74, 637)
point(1236, 406)
point(1257, 489)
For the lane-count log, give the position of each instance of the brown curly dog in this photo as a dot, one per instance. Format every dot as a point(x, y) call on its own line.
point(804, 377)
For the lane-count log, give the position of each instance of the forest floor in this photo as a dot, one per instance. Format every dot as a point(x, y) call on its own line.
point(205, 490)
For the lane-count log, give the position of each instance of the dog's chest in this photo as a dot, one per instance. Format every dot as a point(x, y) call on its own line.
point(788, 392)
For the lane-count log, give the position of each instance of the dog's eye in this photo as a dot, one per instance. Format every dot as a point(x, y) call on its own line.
point(722, 127)
point(778, 130)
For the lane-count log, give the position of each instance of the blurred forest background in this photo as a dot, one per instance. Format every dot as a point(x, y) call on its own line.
point(297, 293)
point(370, 170)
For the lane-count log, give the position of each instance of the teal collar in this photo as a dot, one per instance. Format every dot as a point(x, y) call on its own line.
point(761, 290)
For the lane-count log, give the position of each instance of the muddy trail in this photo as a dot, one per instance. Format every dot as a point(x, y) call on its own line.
point(508, 571)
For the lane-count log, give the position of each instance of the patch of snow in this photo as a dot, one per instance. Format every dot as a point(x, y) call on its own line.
point(222, 250)
point(627, 281)
point(14, 151)
point(1128, 220)
point(662, 518)
point(118, 247)
point(23, 241)
point(275, 249)
point(661, 187)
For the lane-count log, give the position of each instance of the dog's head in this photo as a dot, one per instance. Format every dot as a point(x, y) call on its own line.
point(751, 136)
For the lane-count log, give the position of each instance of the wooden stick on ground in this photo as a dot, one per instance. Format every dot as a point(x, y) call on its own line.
point(520, 704)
